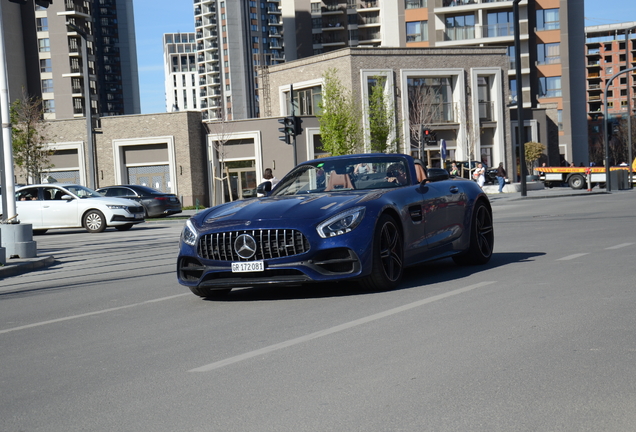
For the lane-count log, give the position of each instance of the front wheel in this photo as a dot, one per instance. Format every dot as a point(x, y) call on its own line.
point(482, 238)
point(576, 182)
point(94, 221)
point(388, 256)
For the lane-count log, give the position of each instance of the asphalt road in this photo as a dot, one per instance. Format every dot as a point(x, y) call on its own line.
point(540, 339)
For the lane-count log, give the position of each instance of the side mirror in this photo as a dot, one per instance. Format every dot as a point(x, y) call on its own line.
point(67, 197)
point(264, 188)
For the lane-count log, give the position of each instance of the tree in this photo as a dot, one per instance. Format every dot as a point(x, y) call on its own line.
point(426, 107)
point(381, 118)
point(221, 132)
point(532, 153)
point(339, 117)
point(30, 151)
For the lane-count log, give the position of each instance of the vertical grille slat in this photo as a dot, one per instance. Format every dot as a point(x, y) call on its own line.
point(271, 243)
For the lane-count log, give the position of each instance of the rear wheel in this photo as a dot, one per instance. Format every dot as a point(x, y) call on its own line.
point(388, 256)
point(210, 293)
point(482, 238)
point(576, 182)
point(94, 221)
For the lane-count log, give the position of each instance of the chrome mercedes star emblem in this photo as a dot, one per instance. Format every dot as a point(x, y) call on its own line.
point(245, 246)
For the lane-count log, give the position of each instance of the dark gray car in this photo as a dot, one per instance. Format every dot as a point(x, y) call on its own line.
point(155, 202)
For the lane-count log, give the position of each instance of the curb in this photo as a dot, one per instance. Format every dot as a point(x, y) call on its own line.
point(12, 269)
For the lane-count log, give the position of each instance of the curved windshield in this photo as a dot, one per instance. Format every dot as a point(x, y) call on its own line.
point(344, 175)
point(83, 192)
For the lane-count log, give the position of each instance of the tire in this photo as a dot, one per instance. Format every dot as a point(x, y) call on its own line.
point(94, 221)
point(124, 227)
point(210, 293)
point(388, 256)
point(39, 231)
point(576, 182)
point(482, 238)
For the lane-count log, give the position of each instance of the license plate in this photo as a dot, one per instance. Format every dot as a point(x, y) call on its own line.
point(173, 199)
point(139, 215)
point(245, 267)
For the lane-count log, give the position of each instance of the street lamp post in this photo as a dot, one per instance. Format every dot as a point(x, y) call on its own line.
point(520, 120)
point(87, 104)
point(629, 109)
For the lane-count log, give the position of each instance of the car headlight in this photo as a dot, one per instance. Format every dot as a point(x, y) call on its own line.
point(341, 223)
point(189, 234)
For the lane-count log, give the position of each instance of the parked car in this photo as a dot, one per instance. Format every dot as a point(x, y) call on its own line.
point(48, 206)
point(322, 222)
point(155, 202)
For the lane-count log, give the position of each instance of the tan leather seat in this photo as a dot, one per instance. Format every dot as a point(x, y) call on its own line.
point(338, 181)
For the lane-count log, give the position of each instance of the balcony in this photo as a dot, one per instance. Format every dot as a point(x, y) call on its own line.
point(499, 30)
point(460, 33)
point(453, 3)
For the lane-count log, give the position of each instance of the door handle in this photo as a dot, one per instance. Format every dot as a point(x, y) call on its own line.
point(454, 189)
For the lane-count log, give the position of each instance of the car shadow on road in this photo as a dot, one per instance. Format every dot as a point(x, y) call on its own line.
point(434, 272)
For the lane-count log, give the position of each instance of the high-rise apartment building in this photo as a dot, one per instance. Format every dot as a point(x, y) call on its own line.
point(608, 53)
point(50, 53)
point(234, 39)
point(182, 78)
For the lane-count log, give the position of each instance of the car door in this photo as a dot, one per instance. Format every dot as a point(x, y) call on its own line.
point(58, 212)
point(29, 206)
point(443, 210)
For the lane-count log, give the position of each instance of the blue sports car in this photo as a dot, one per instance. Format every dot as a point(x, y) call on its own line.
point(358, 217)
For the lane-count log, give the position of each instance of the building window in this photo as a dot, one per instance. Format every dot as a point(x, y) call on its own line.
point(315, 8)
point(415, 4)
point(549, 87)
point(560, 119)
point(548, 19)
point(609, 71)
point(430, 100)
point(548, 53)
point(500, 24)
point(316, 23)
point(306, 101)
point(45, 65)
point(48, 105)
point(42, 24)
point(47, 85)
point(460, 27)
point(417, 31)
point(44, 45)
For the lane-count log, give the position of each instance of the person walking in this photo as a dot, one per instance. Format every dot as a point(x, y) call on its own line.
point(480, 175)
point(501, 176)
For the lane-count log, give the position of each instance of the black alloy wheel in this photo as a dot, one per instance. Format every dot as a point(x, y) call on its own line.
point(388, 256)
point(482, 238)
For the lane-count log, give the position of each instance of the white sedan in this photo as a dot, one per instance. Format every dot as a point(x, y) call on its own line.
point(48, 206)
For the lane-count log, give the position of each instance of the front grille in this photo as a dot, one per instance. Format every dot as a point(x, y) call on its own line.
point(270, 243)
point(138, 209)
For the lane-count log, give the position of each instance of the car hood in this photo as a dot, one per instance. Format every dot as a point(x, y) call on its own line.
point(298, 207)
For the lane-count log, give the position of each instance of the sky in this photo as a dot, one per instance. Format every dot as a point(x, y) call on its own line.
point(153, 18)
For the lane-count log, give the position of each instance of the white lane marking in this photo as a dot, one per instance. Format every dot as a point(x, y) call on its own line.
point(72, 317)
point(571, 257)
point(622, 245)
point(336, 329)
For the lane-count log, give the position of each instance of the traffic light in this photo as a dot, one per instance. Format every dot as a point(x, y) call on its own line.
point(298, 129)
point(285, 137)
point(289, 129)
point(429, 137)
